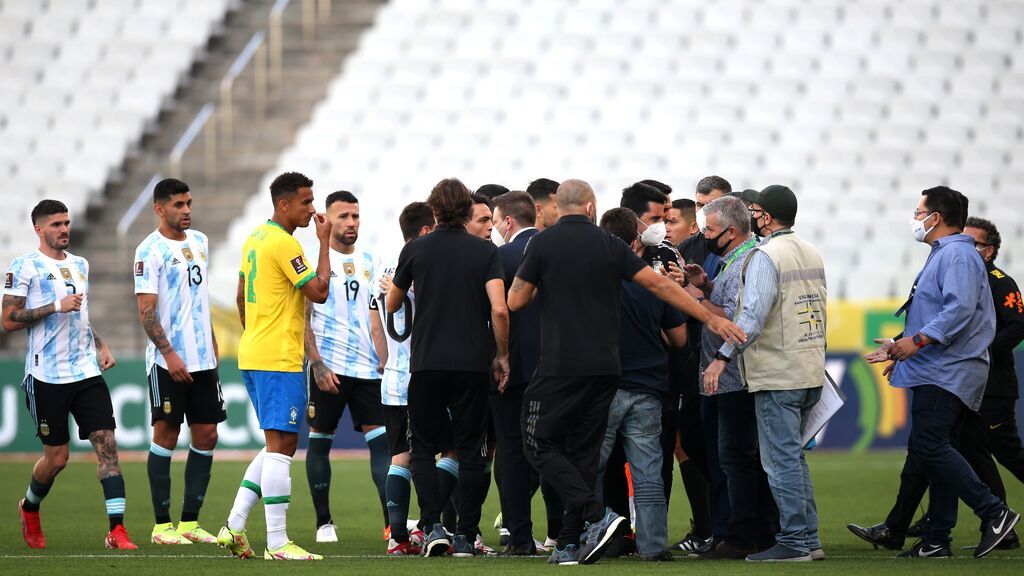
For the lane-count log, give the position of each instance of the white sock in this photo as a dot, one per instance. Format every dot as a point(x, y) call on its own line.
point(277, 491)
point(248, 493)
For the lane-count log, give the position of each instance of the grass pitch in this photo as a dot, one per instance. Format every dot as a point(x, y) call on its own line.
point(850, 488)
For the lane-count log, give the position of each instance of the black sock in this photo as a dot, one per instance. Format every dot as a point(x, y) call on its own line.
point(158, 465)
point(380, 462)
point(318, 471)
point(447, 480)
point(398, 491)
point(36, 491)
point(113, 493)
point(197, 478)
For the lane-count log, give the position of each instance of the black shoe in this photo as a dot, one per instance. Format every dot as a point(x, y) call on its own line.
point(916, 530)
point(1011, 542)
point(691, 543)
point(726, 551)
point(620, 547)
point(922, 550)
point(663, 556)
point(707, 547)
point(528, 549)
point(995, 530)
point(878, 535)
point(599, 535)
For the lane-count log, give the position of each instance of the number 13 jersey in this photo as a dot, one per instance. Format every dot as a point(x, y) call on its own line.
point(176, 271)
point(341, 325)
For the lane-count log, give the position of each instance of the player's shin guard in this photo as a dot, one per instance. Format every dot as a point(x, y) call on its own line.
point(35, 494)
point(113, 493)
point(318, 473)
point(398, 490)
point(197, 478)
point(158, 466)
point(380, 461)
point(248, 493)
point(277, 491)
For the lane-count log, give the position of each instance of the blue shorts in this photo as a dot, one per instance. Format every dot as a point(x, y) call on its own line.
point(278, 397)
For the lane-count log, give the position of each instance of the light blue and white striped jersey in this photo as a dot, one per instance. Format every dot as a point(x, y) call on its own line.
point(176, 271)
point(60, 346)
point(341, 325)
point(394, 386)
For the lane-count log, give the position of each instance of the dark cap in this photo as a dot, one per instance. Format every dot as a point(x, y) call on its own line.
point(750, 196)
point(779, 201)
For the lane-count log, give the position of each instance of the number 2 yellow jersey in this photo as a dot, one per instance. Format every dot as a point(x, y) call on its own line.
point(273, 272)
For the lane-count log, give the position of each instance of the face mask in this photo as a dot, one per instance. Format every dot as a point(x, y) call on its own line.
point(702, 221)
point(497, 237)
point(755, 227)
point(654, 235)
point(711, 244)
point(918, 230)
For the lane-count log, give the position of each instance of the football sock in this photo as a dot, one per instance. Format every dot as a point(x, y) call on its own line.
point(277, 489)
point(318, 473)
point(158, 465)
point(113, 493)
point(35, 494)
point(398, 490)
point(380, 462)
point(447, 480)
point(197, 478)
point(248, 493)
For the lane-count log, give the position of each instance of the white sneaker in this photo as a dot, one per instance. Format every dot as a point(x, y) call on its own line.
point(327, 533)
point(550, 543)
point(541, 546)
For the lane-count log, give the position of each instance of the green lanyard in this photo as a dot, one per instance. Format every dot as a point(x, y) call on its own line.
point(743, 249)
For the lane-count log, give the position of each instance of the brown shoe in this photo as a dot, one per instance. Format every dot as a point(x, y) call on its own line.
point(726, 551)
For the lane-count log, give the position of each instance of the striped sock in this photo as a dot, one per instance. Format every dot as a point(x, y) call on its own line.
point(197, 478)
point(158, 468)
point(380, 459)
point(35, 494)
point(398, 490)
point(277, 490)
point(113, 493)
point(248, 493)
point(318, 474)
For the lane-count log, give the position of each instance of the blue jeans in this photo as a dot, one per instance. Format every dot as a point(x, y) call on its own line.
point(938, 416)
point(781, 415)
point(636, 419)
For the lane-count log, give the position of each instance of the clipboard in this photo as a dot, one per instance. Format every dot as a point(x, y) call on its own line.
point(832, 399)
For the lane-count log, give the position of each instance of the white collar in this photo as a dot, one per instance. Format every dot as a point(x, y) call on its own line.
point(520, 231)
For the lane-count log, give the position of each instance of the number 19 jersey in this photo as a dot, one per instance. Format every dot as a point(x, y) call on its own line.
point(176, 271)
point(341, 325)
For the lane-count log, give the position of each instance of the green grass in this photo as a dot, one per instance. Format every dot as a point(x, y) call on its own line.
point(850, 488)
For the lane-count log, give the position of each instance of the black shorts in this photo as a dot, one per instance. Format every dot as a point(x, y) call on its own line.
point(201, 400)
point(51, 404)
point(361, 396)
point(397, 423)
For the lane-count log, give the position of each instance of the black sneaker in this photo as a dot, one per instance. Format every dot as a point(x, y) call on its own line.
point(663, 556)
point(995, 530)
point(598, 535)
point(437, 543)
point(1011, 542)
point(916, 530)
point(707, 547)
point(620, 547)
point(878, 535)
point(922, 550)
point(528, 549)
point(689, 544)
point(461, 548)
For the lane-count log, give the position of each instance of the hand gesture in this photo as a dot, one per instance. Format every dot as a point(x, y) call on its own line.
point(726, 330)
point(676, 274)
point(712, 374)
point(323, 226)
point(106, 358)
point(176, 366)
point(71, 303)
point(695, 275)
point(882, 354)
point(326, 380)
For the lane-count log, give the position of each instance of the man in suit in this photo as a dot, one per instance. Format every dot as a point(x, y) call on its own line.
point(514, 217)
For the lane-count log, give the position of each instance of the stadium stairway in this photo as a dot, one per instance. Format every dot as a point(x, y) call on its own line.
point(308, 68)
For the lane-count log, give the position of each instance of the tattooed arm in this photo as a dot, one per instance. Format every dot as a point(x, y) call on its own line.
point(106, 453)
point(155, 331)
point(323, 376)
point(520, 294)
point(16, 317)
point(106, 358)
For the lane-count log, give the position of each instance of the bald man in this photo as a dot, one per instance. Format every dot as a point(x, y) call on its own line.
point(575, 270)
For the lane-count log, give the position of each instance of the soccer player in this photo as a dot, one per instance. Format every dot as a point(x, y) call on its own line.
point(343, 368)
point(416, 219)
point(181, 359)
point(45, 293)
point(273, 280)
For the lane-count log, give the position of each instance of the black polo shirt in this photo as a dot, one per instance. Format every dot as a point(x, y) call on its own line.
point(578, 269)
point(450, 329)
point(645, 366)
point(1002, 375)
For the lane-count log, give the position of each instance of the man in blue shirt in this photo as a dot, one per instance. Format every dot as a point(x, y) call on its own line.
point(943, 358)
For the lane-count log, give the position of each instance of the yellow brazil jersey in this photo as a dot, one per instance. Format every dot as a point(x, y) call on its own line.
point(273, 271)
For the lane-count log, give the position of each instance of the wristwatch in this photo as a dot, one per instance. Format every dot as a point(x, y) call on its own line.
point(700, 299)
point(722, 357)
point(919, 341)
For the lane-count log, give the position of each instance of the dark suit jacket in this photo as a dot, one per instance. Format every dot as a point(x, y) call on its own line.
point(524, 325)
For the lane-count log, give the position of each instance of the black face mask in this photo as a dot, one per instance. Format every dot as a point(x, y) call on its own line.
point(711, 244)
point(755, 228)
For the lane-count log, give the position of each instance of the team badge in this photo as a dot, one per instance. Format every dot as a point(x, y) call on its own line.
point(202, 255)
point(187, 253)
point(311, 411)
point(140, 268)
point(9, 280)
point(167, 406)
point(44, 429)
point(293, 415)
point(366, 274)
point(349, 268)
point(298, 265)
point(65, 273)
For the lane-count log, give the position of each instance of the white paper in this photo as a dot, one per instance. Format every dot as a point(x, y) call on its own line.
point(832, 399)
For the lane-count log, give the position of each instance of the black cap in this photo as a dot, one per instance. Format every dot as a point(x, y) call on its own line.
point(779, 201)
point(750, 196)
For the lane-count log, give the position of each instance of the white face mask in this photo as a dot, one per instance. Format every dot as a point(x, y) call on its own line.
point(496, 237)
point(654, 235)
point(918, 230)
point(702, 220)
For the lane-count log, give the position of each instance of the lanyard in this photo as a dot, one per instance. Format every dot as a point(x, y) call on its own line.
point(743, 249)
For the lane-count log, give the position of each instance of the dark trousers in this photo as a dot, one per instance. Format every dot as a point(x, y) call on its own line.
point(754, 518)
point(510, 462)
point(937, 419)
point(1000, 418)
point(669, 418)
point(691, 438)
point(564, 421)
point(720, 509)
point(448, 410)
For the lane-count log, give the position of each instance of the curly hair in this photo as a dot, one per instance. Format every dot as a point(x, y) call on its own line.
point(451, 202)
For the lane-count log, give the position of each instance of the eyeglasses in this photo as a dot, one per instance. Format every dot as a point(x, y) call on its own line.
point(981, 244)
point(919, 212)
point(755, 213)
